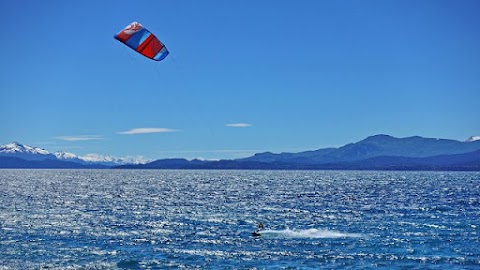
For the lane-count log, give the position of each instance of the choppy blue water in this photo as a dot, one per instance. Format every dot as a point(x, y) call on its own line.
point(129, 219)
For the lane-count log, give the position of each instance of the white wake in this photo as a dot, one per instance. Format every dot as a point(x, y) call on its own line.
point(310, 233)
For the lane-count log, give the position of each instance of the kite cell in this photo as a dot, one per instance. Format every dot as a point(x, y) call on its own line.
point(141, 40)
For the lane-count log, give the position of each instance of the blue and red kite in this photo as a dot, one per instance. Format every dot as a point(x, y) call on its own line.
point(141, 40)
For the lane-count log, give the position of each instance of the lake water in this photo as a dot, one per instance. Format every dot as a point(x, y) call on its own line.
point(131, 219)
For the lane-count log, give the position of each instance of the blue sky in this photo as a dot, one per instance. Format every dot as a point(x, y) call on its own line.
point(296, 75)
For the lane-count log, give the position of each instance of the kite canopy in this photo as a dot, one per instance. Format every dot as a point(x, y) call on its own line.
point(143, 41)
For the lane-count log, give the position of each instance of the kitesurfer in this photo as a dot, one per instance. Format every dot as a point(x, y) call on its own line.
point(259, 229)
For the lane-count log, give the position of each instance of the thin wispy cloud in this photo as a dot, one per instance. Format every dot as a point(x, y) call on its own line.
point(147, 131)
point(79, 138)
point(239, 125)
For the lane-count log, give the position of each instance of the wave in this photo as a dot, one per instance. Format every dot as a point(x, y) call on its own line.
point(309, 233)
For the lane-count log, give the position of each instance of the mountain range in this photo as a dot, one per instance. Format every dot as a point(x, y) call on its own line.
point(378, 152)
point(17, 155)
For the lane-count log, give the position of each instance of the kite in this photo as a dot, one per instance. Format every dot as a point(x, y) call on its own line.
point(142, 41)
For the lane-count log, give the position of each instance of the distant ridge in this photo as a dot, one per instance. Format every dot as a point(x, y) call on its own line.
point(378, 152)
point(457, 162)
point(374, 146)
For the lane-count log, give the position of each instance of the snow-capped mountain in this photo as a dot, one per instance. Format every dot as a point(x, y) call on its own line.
point(99, 159)
point(16, 147)
point(65, 155)
point(473, 139)
point(109, 160)
point(26, 152)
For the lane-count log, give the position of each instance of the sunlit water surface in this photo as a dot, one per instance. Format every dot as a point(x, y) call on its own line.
point(130, 219)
